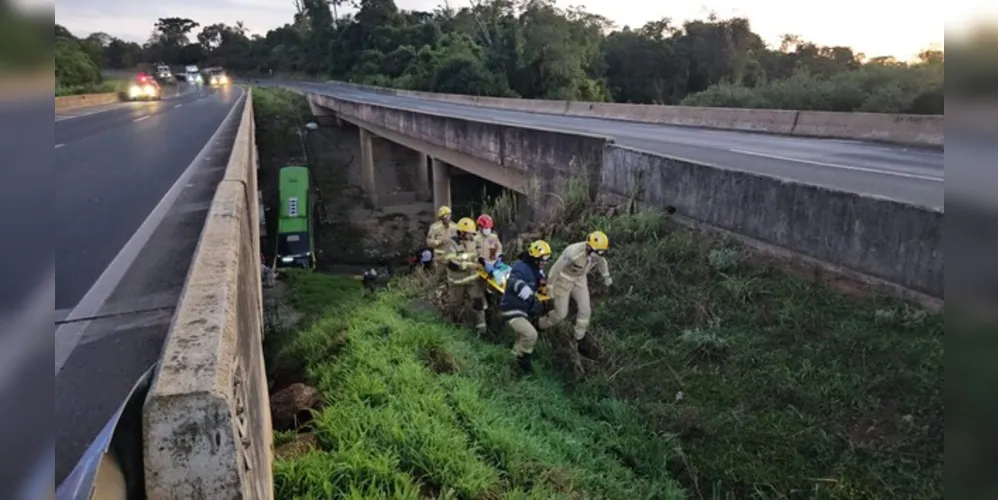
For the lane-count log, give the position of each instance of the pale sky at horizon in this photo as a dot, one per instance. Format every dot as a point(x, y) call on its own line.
point(856, 23)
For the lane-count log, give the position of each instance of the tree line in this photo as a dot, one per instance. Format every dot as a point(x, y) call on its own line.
point(534, 49)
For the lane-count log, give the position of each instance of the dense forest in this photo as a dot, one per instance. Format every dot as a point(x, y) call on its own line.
point(534, 49)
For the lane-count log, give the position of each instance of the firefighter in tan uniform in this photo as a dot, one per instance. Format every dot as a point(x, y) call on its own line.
point(487, 243)
point(568, 280)
point(436, 239)
point(464, 284)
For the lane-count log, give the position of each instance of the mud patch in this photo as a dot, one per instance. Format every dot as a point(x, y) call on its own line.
point(291, 407)
point(298, 446)
point(440, 360)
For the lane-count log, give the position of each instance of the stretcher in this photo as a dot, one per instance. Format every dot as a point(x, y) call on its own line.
point(497, 279)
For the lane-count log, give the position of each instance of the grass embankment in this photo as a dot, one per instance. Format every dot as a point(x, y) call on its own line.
point(776, 385)
point(110, 85)
point(417, 409)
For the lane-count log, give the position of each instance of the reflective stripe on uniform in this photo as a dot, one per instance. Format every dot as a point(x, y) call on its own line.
point(464, 280)
point(513, 313)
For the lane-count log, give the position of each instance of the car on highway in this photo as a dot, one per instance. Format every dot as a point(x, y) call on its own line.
point(217, 77)
point(144, 88)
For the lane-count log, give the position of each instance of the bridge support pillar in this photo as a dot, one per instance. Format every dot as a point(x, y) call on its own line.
point(423, 175)
point(441, 183)
point(367, 166)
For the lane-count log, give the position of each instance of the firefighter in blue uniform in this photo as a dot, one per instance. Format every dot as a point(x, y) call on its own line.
point(519, 303)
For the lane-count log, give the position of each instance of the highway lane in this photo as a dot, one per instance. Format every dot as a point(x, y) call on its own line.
point(111, 168)
point(132, 188)
point(913, 175)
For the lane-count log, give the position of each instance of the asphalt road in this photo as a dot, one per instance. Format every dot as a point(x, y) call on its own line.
point(913, 175)
point(133, 183)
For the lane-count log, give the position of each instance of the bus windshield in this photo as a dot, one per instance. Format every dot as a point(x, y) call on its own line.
point(293, 244)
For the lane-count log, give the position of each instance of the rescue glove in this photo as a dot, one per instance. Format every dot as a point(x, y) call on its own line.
point(525, 293)
point(608, 281)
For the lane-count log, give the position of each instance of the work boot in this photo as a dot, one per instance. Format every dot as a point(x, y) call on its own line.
point(586, 348)
point(526, 365)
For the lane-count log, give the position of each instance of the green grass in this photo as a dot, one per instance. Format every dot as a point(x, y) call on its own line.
point(735, 376)
point(110, 85)
point(778, 386)
point(417, 408)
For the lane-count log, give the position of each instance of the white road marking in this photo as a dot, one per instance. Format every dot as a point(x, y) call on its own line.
point(843, 167)
point(146, 117)
point(57, 146)
point(68, 335)
point(178, 105)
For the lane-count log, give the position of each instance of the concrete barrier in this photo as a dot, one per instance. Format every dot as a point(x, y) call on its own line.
point(917, 130)
point(68, 102)
point(924, 130)
point(206, 421)
point(892, 241)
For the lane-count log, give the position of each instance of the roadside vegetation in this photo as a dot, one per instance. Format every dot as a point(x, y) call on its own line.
point(76, 72)
point(722, 375)
point(536, 50)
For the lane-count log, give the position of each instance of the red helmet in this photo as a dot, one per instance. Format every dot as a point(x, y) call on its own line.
point(484, 222)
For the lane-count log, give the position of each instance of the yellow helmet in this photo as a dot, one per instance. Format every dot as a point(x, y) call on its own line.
point(539, 249)
point(466, 225)
point(443, 211)
point(598, 241)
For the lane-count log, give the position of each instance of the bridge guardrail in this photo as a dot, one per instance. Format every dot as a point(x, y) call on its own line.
point(206, 421)
point(916, 130)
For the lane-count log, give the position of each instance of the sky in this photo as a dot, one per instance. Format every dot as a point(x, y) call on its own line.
point(899, 28)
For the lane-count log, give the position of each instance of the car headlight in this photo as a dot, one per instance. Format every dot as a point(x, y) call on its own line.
point(287, 260)
point(150, 90)
point(134, 91)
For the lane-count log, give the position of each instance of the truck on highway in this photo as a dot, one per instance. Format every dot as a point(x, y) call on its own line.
point(191, 75)
point(163, 74)
point(295, 243)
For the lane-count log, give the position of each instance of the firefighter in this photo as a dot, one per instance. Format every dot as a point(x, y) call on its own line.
point(437, 237)
point(519, 303)
point(461, 260)
point(568, 280)
point(487, 244)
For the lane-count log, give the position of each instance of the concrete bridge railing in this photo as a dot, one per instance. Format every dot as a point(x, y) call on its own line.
point(916, 130)
point(206, 421)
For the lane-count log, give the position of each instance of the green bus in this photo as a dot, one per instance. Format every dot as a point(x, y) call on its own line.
point(295, 238)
